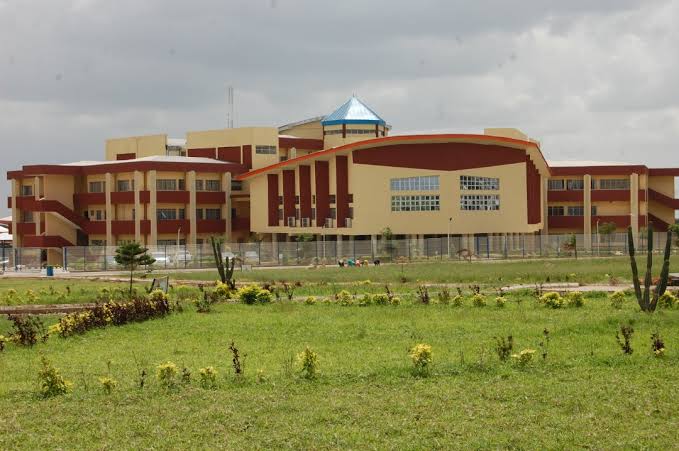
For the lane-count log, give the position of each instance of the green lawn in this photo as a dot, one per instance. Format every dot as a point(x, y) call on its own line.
point(585, 394)
point(55, 291)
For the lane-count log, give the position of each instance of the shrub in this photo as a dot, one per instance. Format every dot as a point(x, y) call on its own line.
point(381, 299)
point(222, 292)
point(252, 294)
point(478, 300)
point(395, 300)
point(11, 297)
point(3, 340)
point(617, 299)
point(657, 345)
point(203, 305)
point(310, 300)
point(626, 342)
point(444, 296)
point(458, 301)
point(52, 383)
point(500, 301)
point(31, 297)
point(365, 300)
point(552, 299)
point(208, 377)
point(423, 294)
point(524, 357)
point(504, 347)
point(108, 384)
point(576, 299)
point(422, 357)
point(344, 298)
point(668, 300)
point(308, 363)
point(237, 362)
point(27, 330)
point(166, 373)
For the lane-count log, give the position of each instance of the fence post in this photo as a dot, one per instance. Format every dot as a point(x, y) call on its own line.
point(65, 258)
point(3, 258)
point(558, 246)
point(523, 245)
point(259, 253)
point(540, 243)
point(16, 259)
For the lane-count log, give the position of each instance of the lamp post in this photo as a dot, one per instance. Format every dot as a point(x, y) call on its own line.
point(450, 221)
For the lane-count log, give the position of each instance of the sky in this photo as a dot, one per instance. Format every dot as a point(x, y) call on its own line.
point(591, 80)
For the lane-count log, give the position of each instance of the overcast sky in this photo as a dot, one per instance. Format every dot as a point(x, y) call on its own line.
point(589, 79)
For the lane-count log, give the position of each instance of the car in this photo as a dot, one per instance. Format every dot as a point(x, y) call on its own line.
point(162, 259)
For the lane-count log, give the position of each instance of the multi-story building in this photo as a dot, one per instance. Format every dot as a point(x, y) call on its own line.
point(341, 176)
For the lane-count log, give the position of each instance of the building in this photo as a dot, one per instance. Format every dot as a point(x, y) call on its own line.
point(342, 176)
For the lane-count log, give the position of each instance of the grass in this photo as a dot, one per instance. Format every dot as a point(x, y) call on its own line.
point(55, 291)
point(585, 394)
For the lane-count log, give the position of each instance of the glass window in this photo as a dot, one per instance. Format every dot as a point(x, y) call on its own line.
point(212, 185)
point(265, 150)
point(166, 185)
point(166, 214)
point(26, 216)
point(200, 185)
point(556, 185)
point(469, 182)
point(577, 210)
point(614, 184)
point(423, 183)
point(594, 210)
point(125, 185)
point(199, 213)
point(97, 187)
point(26, 190)
point(333, 199)
point(213, 213)
point(555, 211)
point(415, 203)
point(333, 213)
point(575, 185)
point(181, 213)
point(181, 185)
point(480, 202)
point(236, 185)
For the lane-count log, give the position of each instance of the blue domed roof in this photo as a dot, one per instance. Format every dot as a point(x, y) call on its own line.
point(353, 112)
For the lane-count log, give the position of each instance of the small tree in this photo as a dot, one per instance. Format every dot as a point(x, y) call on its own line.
point(131, 256)
point(387, 237)
point(607, 229)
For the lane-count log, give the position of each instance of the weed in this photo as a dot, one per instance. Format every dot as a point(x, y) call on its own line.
point(208, 377)
point(524, 357)
point(344, 298)
point(617, 299)
point(458, 301)
point(237, 361)
point(504, 347)
point(310, 300)
point(166, 373)
point(308, 362)
point(500, 301)
point(544, 343)
point(575, 299)
point(625, 344)
point(108, 384)
point(261, 376)
point(657, 345)
point(185, 376)
point(478, 300)
point(52, 383)
point(668, 300)
point(552, 299)
point(444, 296)
point(422, 358)
point(27, 330)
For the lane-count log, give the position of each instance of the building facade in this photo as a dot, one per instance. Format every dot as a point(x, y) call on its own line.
point(340, 176)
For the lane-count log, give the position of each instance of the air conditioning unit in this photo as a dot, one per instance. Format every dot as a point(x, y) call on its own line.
point(328, 223)
point(306, 222)
point(291, 221)
point(347, 222)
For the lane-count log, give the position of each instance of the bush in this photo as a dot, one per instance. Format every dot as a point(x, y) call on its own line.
point(108, 384)
point(222, 292)
point(310, 300)
point(575, 299)
point(444, 296)
point(344, 298)
point(657, 345)
point(422, 357)
point(52, 383)
point(457, 301)
point(203, 305)
point(3, 340)
point(395, 300)
point(253, 294)
point(667, 300)
point(500, 301)
point(308, 362)
point(381, 299)
point(166, 373)
point(524, 357)
point(552, 299)
point(27, 330)
point(365, 300)
point(617, 299)
point(208, 377)
point(478, 300)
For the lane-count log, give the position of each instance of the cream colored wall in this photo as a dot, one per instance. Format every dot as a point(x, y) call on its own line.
point(60, 188)
point(506, 133)
point(612, 208)
point(141, 146)
point(312, 130)
point(663, 185)
point(124, 212)
point(337, 140)
point(259, 206)
point(55, 226)
point(662, 212)
point(266, 136)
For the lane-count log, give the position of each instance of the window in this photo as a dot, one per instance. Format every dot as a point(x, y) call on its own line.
point(614, 184)
point(200, 185)
point(265, 150)
point(555, 211)
point(333, 199)
point(26, 216)
point(97, 242)
point(166, 185)
point(125, 185)
point(424, 183)
point(333, 213)
point(280, 214)
point(313, 198)
point(181, 213)
point(351, 212)
point(26, 190)
point(182, 242)
point(332, 132)
point(212, 185)
point(236, 185)
point(166, 214)
point(594, 210)
point(297, 199)
point(313, 213)
point(415, 203)
point(199, 213)
point(181, 184)
point(555, 185)
point(575, 185)
point(98, 215)
point(577, 210)
point(213, 213)
point(480, 202)
point(470, 182)
point(97, 187)
point(296, 213)
point(360, 131)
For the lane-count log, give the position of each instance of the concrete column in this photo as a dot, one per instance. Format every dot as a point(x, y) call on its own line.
point(340, 251)
point(373, 244)
point(16, 213)
point(420, 245)
point(351, 246)
point(634, 206)
point(153, 204)
point(587, 217)
point(543, 196)
point(226, 207)
point(193, 220)
point(109, 209)
point(36, 214)
point(274, 246)
point(138, 208)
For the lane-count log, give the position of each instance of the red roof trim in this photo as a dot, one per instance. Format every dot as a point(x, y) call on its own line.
point(386, 140)
point(599, 170)
point(664, 171)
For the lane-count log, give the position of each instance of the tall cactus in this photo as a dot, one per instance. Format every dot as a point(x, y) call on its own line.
point(225, 268)
point(649, 300)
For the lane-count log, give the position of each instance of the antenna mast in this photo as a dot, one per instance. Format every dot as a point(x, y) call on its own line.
point(229, 108)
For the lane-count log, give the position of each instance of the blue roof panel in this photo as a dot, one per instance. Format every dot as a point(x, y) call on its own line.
point(353, 112)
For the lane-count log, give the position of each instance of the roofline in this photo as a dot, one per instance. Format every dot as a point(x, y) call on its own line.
point(354, 121)
point(600, 170)
point(387, 139)
point(664, 171)
point(302, 122)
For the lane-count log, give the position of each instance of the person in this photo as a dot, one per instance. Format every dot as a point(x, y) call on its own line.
point(376, 262)
point(340, 262)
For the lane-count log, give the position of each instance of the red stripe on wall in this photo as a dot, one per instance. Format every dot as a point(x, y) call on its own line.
point(342, 177)
point(439, 156)
point(305, 191)
point(229, 154)
point(322, 171)
point(247, 156)
point(272, 182)
point(208, 152)
point(288, 195)
point(533, 190)
point(126, 156)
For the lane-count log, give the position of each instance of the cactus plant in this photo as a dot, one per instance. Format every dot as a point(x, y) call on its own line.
point(224, 265)
point(647, 300)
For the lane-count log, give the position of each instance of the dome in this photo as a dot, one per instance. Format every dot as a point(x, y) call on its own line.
point(353, 112)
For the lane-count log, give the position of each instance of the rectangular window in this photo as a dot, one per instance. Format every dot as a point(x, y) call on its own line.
point(213, 213)
point(26, 190)
point(236, 185)
point(313, 213)
point(297, 199)
point(166, 214)
point(200, 185)
point(99, 216)
point(280, 214)
point(97, 187)
point(594, 210)
point(181, 185)
point(424, 183)
point(415, 203)
point(351, 212)
point(333, 199)
point(614, 184)
point(555, 211)
point(182, 242)
point(575, 185)
point(265, 150)
point(166, 185)
point(280, 200)
point(97, 242)
point(125, 185)
point(481, 202)
point(470, 182)
point(181, 213)
point(332, 132)
point(333, 213)
point(212, 185)
point(26, 216)
point(577, 210)
point(313, 198)
point(556, 185)
point(199, 213)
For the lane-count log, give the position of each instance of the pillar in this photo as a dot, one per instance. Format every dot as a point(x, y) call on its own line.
point(634, 206)
point(37, 214)
point(352, 246)
point(340, 251)
point(193, 223)
point(138, 209)
point(373, 245)
point(153, 204)
point(109, 209)
point(226, 207)
point(587, 214)
point(543, 196)
point(16, 192)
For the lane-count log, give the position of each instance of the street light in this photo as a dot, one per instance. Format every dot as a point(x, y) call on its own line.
point(450, 221)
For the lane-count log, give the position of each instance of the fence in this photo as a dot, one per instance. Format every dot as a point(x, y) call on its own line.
point(100, 258)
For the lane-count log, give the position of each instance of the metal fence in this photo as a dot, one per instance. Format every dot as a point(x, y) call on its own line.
point(100, 258)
